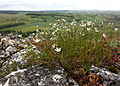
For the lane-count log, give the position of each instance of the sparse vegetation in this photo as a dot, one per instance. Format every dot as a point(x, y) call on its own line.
point(74, 43)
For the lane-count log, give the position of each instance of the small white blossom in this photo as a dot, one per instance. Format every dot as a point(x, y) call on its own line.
point(37, 30)
point(89, 23)
point(58, 49)
point(116, 29)
point(64, 20)
point(72, 23)
point(37, 40)
point(34, 47)
point(41, 32)
point(53, 46)
point(82, 25)
point(53, 38)
point(96, 30)
point(23, 40)
point(53, 33)
point(54, 24)
point(83, 34)
point(20, 35)
point(58, 20)
point(88, 29)
point(68, 30)
point(36, 36)
point(104, 35)
point(33, 33)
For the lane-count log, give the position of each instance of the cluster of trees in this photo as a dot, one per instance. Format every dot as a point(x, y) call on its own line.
point(49, 14)
point(10, 25)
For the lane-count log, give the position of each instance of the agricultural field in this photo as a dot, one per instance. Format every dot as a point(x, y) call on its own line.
point(27, 21)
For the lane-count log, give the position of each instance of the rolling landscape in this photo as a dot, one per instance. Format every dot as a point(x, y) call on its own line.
point(60, 48)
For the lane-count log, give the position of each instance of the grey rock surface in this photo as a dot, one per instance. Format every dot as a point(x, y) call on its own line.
point(40, 75)
point(108, 78)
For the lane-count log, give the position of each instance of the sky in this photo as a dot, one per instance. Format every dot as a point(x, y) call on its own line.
point(38, 5)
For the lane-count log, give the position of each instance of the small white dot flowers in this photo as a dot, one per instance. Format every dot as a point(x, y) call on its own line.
point(116, 29)
point(96, 30)
point(58, 49)
point(88, 29)
point(37, 30)
point(104, 35)
point(37, 26)
point(37, 40)
point(54, 45)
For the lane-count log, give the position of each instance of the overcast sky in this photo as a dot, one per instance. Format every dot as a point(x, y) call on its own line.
point(59, 5)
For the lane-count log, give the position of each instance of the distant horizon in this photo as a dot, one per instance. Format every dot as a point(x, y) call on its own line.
point(59, 10)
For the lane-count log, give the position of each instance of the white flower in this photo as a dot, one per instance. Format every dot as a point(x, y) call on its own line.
point(34, 47)
point(53, 38)
point(88, 29)
point(37, 30)
point(33, 33)
point(102, 22)
point(58, 20)
point(104, 35)
point(89, 23)
point(116, 29)
point(53, 46)
point(23, 40)
point(64, 20)
point(54, 24)
point(37, 26)
point(46, 33)
point(41, 32)
point(37, 40)
point(83, 34)
point(53, 33)
point(20, 35)
point(72, 23)
point(82, 25)
point(96, 30)
point(58, 49)
point(68, 30)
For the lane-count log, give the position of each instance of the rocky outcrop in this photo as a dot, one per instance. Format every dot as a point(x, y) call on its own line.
point(40, 75)
point(108, 78)
point(11, 50)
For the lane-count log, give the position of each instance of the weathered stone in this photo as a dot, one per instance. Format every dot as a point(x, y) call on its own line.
point(11, 49)
point(108, 78)
point(40, 75)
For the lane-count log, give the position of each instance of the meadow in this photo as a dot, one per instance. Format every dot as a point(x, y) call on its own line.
point(27, 21)
point(74, 39)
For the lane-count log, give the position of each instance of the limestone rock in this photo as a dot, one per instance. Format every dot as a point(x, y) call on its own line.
point(108, 78)
point(40, 75)
point(11, 49)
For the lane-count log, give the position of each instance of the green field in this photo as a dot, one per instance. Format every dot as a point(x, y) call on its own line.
point(11, 20)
